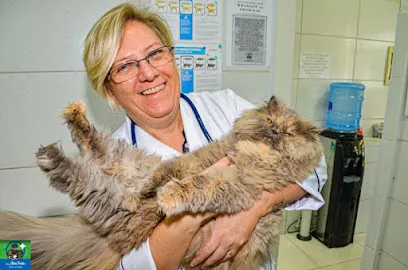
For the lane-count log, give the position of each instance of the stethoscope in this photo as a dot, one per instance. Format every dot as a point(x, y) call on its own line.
point(196, 114)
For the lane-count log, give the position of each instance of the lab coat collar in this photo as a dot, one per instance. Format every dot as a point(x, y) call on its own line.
point(151, 145)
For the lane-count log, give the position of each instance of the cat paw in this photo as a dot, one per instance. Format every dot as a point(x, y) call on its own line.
point(48, 157)
point(172, 198)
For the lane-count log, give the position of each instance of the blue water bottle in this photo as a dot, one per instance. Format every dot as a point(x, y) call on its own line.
point(345, 102)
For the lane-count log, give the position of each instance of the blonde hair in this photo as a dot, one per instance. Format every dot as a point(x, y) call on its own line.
point(103, 41)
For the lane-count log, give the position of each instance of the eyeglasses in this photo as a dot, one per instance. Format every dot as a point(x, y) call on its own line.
point(130, 69)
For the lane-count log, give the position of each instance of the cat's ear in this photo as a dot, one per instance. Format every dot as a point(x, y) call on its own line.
point(273, 104)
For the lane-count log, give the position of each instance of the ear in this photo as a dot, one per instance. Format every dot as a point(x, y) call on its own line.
point(273, 104)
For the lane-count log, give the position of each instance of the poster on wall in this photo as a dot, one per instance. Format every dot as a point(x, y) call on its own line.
point(199, 66)
point(192, 20)
point(196, 26)
point(249, 40)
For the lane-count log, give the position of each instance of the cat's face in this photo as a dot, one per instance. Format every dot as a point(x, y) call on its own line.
point(274, 124)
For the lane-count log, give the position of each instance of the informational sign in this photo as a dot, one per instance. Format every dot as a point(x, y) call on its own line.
point(314, 65)
point(200, 67)
point(192, 20)
point(249, 27)
point(196, 26)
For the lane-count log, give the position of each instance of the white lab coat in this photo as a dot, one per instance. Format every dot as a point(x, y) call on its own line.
point(218, 110)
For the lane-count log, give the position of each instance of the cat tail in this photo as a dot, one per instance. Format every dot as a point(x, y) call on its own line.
point(64, 243)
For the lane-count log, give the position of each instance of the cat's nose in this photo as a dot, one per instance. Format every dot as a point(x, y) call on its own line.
point(275, 132)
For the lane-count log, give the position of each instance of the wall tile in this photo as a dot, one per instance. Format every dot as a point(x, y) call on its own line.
point(404, 129)
point(51, 35)
point(378, 19)
point(377, 206)
point(330, 17)
point(294, 93)
point(385, 170)
point(375, 99)
point(367, 258)
point(26, 191)
point(282, 62)
point(244, 83)
point(388, 262)
point(399, 64)
point(299, 8)
point(340, 50)
point(371, 57)
point(395, 238)
point(363, 216)
point(31, 105)
point(367, 190)
point(372, 150)
point(312, 98)
point(395, 106)
point(296, 56)
point(400, 184)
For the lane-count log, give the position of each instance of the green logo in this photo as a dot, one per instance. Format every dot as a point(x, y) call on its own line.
point(15, 254)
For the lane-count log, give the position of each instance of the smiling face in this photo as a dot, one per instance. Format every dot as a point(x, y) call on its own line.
point(152, 95)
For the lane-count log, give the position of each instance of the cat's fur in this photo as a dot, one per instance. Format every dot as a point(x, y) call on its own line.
point(122, 193)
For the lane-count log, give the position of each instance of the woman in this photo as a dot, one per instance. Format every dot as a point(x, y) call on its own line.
point(130, 62)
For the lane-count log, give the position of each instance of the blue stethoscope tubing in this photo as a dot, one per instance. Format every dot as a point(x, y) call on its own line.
point(196, 114)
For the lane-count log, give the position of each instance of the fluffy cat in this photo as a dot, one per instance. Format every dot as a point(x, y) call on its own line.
point(122, 193)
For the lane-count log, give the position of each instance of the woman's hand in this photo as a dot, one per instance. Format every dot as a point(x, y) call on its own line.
point(230, 233)
point(178, 232)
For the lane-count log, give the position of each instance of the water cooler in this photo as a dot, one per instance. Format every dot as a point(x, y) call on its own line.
point(344, 153)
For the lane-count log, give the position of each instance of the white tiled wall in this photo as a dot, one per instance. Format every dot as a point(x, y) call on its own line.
point(388, 262)
point(367, 193)
point(387, 238)
point(371, 56)
point(41, 72)
point(377, 17)
point(356, 40)
point(330, 17)
point(395, 239)
point(400, 185)
point(340, 50)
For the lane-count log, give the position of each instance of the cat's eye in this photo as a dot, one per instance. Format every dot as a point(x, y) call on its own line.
point(270, 122)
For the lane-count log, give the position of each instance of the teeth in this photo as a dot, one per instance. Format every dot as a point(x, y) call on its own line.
point(153, 90)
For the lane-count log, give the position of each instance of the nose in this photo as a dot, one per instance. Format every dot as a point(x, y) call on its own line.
point(147, 72)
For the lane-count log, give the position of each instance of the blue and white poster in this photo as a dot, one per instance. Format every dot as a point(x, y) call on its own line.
point(196, 26)
point(192, 20)
point(200, 67)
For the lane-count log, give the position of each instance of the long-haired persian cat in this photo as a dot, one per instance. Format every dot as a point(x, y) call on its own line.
point(122, 193)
